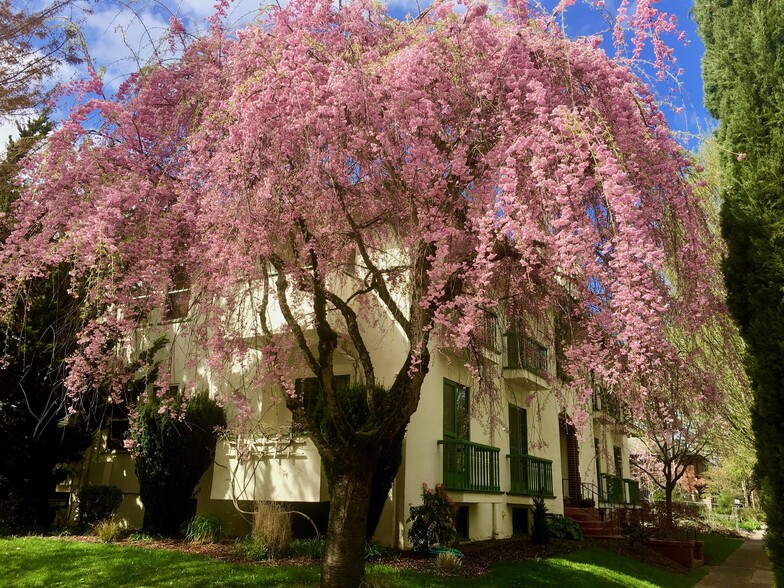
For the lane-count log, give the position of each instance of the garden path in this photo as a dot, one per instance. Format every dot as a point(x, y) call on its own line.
point(747, 566)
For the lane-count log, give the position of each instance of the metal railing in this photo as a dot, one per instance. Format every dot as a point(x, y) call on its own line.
point(531, 476)
point(470, 466)
point(616, 490)
point(611, 489)
point(523, 352)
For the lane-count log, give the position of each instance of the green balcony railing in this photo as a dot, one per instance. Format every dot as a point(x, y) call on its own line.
point(531, 476)
point(611, 489)
point(470, 466)
point(632, 491)
point(523, 352)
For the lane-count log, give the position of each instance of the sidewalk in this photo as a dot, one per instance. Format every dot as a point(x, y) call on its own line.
point(748, 566)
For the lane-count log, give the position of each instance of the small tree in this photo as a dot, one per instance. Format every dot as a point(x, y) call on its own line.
point(433, 523)
point(173, 444)
point(540, 534)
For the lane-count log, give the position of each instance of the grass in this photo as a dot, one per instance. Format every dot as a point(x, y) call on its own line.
point(718, 548)
point(37, 562)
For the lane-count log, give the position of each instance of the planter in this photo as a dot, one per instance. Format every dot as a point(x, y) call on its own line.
point(687, 553)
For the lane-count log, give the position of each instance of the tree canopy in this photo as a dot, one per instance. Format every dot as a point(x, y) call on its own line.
point(325, 165)
point(31, 47)
point(744, 83)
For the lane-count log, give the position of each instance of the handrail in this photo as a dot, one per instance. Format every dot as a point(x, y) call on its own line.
point(530, 475)
point(470, 466)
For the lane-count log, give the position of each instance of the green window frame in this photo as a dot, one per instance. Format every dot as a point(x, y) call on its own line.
point(518, 430)
point(457, 421)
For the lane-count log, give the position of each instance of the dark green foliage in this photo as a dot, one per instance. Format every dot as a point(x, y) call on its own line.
point(98, 503)
point(312, 548)
point(743, 73)
point(173, 447)
point(353, 403)
point(433, 523)
point(38, 436)
point(540, 534)
point(206, 528)
point(564, 528)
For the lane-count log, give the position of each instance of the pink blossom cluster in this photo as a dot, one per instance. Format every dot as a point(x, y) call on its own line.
point(529, 168)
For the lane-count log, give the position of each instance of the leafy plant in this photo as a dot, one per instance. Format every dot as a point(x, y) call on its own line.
point(207, 528)
point(313, 548)
point(98, 503)
point(108, 531)
point(540, 534)
point(433, 523)
point(564, 528)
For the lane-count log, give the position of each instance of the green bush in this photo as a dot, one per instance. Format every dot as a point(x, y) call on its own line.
point(251, 549)
point(564, 528)
point(173, 442)
point(313, 548)
point(207, 528)
point(98, 503)
point(433, 523)
point(540, 534)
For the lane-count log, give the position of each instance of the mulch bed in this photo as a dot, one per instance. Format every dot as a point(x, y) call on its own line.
point(478, 556)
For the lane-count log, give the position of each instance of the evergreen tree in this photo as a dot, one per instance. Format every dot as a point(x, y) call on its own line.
point(743, 73)
point(37, 434)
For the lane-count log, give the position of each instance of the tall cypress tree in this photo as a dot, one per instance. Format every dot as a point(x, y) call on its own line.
point(37, 434)
point(743, 72)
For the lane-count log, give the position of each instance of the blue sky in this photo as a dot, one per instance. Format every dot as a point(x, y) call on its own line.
point(120, 37)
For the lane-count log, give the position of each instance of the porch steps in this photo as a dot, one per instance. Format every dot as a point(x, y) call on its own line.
point(591, 524)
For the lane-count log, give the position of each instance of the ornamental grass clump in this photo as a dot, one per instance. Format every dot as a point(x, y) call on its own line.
point(272, 532)
point(207, 528)
point(108, 531)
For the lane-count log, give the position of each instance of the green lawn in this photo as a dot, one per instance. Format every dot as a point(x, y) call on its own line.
point(30, 562)
point(718, 548)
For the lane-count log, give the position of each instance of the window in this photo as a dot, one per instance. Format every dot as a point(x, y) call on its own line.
point(309, 389)
point(179, 297)
point(456, 417)
point(617, 460)
point(518, 430)
point(519, 521)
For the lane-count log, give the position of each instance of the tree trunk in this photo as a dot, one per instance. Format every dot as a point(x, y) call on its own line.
point(344, 558)
point(668, 490)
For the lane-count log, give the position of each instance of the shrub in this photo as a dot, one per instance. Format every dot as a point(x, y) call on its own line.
point(206, 528)
point(17, 517)
point(108, 531)
point(433, 523)
point(564, 528)
point(98, 503)
point(249, 548)
point(448, 563)
point(313, 548)
point(272, 529)
point(540, 534)
point(173, 445)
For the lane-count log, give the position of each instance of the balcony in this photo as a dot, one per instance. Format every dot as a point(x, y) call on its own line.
point(531, 476)
point(617, 490)
point(607, 405)
point(470, 466)
point(525, 361)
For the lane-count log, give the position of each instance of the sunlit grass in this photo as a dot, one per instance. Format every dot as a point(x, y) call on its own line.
point(39, 562)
